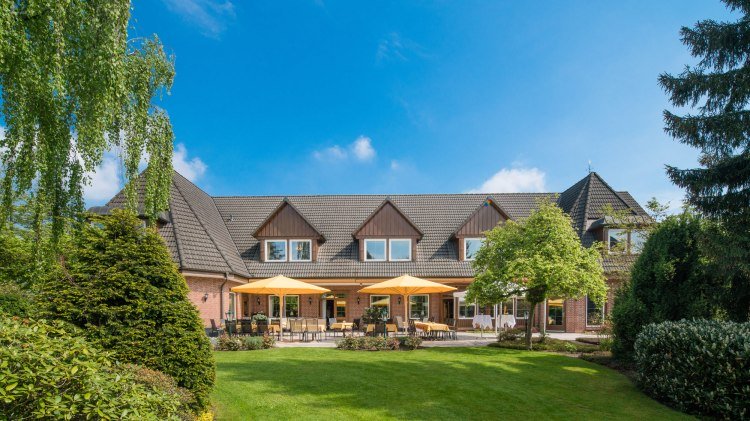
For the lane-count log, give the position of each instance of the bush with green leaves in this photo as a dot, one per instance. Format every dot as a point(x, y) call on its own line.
point(14, 301)
point(368, 343)
point(513, 334)
point(49, 371)
point(410, 342)
point(119, 285)
point(700, 367)
point(228, 343)
point(671, 280)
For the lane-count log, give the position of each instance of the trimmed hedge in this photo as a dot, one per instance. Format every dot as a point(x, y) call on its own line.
point(47, 372)
point(700, 366)
point(368, 343)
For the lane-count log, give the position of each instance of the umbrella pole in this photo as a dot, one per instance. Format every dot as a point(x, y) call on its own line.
point(281, 318)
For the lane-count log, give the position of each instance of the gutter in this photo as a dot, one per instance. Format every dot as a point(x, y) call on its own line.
point(221, 296)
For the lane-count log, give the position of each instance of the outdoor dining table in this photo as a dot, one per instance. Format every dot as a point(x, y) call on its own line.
point(431, 327)
point(389, 327)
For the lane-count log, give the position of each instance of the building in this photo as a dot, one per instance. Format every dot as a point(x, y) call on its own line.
point(345, 242)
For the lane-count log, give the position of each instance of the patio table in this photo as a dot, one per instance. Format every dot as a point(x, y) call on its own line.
point(432, 327)
point(390, 327)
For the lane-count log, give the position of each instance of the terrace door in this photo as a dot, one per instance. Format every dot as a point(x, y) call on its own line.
point(556, 315)
point(448, 309)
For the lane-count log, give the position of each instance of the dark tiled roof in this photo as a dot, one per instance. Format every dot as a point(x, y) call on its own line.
point(215, 234)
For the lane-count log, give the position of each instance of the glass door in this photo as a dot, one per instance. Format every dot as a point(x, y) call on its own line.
point(556, 314)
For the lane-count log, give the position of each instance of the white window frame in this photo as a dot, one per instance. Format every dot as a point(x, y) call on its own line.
point(625, 237)
point(587, 314)
point(385, 249)
point(515, 309)
point(388, 314)
point(465, 304)
point(427, 303)
point(289, 250)
point(390, 248)
point(466, 247)
point(286, 250)
point(640, 233)
point(270, 305)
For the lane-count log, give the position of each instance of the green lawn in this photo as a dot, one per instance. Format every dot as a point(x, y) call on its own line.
point(437, 383)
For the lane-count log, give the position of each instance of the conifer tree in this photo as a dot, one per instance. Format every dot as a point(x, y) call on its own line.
point(718, 89)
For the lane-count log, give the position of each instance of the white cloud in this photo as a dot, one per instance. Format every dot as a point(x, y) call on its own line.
point(395, 165)
point(105, 182)
point(513, 180)
point(210, 16)
point(361, 150)
point(190, 168)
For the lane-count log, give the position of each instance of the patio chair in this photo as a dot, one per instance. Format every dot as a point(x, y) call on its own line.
point(331, 321)
point(401, 325)
point(322, 327)
point(412, 328)
point(431, 319)
point(246, 327)
point(296, 326)
point(215, 330)
point(311, 328)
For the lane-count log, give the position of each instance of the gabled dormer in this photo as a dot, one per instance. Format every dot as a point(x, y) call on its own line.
point(287, 236)
point(387, 235)
point(470, 234)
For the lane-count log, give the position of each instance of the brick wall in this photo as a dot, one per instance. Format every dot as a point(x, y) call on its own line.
point(210, 307)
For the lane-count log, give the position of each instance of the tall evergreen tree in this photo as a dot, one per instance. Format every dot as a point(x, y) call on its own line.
point(718, 88)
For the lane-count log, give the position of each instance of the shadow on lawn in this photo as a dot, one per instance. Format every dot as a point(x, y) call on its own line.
point(426, 384)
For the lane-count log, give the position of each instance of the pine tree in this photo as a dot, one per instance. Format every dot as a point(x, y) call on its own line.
point(718, 88)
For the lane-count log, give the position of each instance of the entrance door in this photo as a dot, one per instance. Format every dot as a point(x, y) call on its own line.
point(448, 309)
point(330, 310)
point(556, 314)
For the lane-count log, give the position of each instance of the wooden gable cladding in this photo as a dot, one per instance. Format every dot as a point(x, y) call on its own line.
point(387, 221)
point(486, 217)
point(287, 222)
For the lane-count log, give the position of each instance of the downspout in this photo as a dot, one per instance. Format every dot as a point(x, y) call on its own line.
point(221, 296)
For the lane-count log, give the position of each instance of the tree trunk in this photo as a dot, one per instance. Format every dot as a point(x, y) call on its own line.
point(529, 325)
point(543, 319)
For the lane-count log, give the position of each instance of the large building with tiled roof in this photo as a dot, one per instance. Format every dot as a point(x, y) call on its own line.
point(345, 242)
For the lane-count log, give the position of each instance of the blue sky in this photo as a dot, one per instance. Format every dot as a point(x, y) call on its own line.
point(414, 97)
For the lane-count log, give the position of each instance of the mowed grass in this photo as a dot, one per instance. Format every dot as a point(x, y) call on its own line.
point(437, 383)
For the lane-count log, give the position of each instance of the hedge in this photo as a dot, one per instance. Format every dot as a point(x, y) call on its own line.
point(700, 367)
point(47, 372)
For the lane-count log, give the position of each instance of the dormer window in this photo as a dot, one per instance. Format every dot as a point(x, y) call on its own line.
point(622, 241)
point(471, 247)
point(375, 250)
point(300, 250)
point(276, 250)
point(399, 250)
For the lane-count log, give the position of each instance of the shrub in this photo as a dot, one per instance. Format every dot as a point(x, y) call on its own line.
point(158, 381)
point(670, 280)
point(13, 300)
point(269, 341)
point(411, 342)
point(228, 343)
point(549, 344)
point(510, 335)
point(368, 343)
point(700, 366)
point(49, 372)
point(252, 342)
point(120, 286)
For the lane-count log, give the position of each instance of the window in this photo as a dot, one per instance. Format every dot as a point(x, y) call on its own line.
point(382, 302)
point(340, 303)
point(617, 240)
point(466, 311)
point(471, 247)
point(507, 307)
point(555, 312)
point(400, 250)
point(637, 240)
point(522, 308)
point(276, 250)
point(291, 305)
point(419, 306)
point(594, 313)
point(375, 250)
point(300, 250)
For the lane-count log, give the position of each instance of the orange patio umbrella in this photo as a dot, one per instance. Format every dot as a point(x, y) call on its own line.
point(279, 285)
point(406, 285)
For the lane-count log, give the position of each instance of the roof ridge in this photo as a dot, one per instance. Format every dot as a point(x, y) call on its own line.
point(385, 195)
